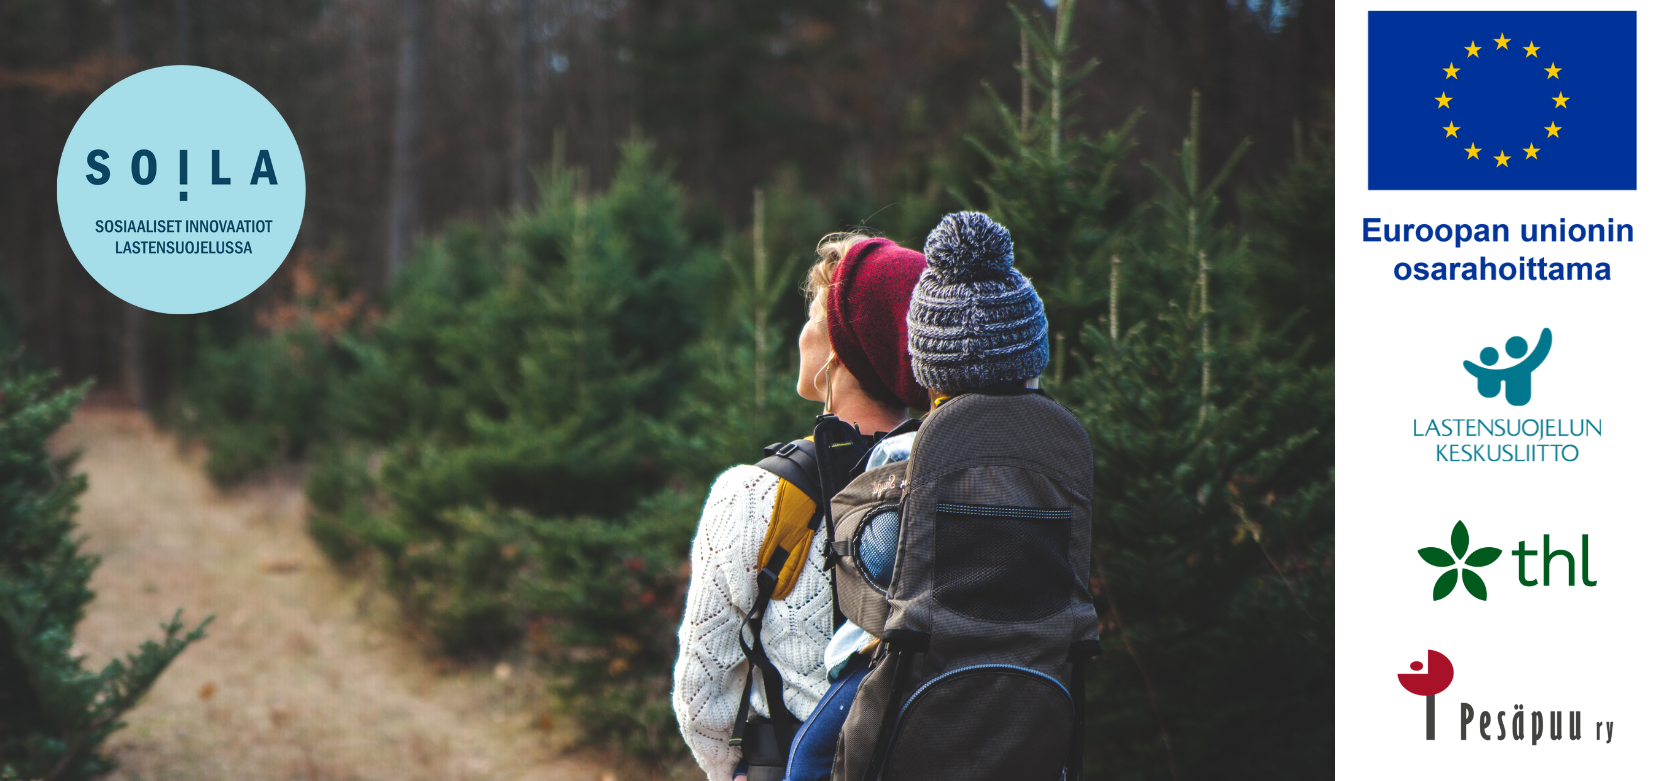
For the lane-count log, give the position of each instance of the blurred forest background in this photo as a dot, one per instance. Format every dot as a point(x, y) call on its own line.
point(545, 290)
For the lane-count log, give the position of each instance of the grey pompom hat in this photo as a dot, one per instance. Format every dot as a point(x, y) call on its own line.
point(974, 320)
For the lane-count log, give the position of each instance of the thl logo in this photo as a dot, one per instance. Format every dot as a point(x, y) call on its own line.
point(1463, 563)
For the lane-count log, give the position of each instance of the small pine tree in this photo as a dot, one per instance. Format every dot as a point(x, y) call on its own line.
point(1057, 191)
point(612, 590)
point(54, 713)
point(520, 368)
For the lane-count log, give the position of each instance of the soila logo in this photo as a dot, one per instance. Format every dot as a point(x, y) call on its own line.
point(1461, 564)
point(1517, 379)
point(1519, 725)
point(181, 189)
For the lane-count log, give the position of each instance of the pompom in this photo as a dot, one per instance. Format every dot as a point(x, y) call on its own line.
point(969, 247)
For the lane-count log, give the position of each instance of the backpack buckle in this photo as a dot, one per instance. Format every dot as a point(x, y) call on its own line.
point(779, 449)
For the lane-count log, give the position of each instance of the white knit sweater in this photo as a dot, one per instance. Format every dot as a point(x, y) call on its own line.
point(711, 668)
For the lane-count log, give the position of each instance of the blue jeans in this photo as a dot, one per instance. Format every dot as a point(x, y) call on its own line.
point(812, 755)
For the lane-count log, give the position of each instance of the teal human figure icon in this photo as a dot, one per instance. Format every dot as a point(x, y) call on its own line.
point(1518, 380)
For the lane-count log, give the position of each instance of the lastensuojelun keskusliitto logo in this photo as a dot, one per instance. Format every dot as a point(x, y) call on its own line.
point(1521, 724)
point(1502, 100)
point(1473, 567)
point(181, 189)
point(1516, 380)
point(1491, 434)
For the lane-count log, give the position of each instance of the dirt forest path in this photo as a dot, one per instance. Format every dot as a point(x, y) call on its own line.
point(305, 673)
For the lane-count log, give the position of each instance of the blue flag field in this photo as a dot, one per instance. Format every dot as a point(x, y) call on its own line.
point(1503, 100)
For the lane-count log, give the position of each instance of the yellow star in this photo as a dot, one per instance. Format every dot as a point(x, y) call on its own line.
point(1560, 100)
point(1474, 152)
point(1452, 73)
point(1502, 157)
point(1502, 40)
point(1552, 72)
point(1533, 152)
point(1472, 49)
point(1441, 102)
point(1551, 130)
point(1452, 130)
point(1531, 49)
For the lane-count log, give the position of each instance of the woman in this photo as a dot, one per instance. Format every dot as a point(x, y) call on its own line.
point(854, 358)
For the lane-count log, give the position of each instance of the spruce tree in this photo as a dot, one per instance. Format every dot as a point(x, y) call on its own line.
point(1295, 243)
point(520, 374)
point(1212, 521)
point(54, 713)
point(1057, 190)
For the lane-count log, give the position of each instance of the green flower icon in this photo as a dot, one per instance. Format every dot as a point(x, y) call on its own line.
point(1440, 558)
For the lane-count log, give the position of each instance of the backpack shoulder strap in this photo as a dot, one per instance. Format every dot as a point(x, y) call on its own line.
point(793, 521)
point(787, 543)
point(795, 462)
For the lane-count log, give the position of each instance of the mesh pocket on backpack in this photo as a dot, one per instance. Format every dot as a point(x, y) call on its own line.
point(877, 546)
point(1007, 564)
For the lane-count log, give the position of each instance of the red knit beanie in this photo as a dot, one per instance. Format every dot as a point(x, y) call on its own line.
point(868, 297)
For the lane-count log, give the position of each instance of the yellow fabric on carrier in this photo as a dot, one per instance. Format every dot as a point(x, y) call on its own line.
point(790, 529)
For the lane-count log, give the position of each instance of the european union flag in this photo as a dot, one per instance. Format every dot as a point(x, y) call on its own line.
point(1502, 100)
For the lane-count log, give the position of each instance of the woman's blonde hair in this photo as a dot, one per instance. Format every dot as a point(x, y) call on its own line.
point(830, 251)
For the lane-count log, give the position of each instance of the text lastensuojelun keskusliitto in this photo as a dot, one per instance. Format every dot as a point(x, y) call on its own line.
point(1525, 268)
point(183, 246)
point(1536, 438)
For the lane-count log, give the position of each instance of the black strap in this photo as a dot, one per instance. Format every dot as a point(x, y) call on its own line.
point(738, 736)
point(910, 424)
point(840, 451)
point(903, 644)
point(1078, 653)
point(799, 463)
point(795, 462)
point(840, 448)
point(781, 719)
point(819, 468)
point(909, 640)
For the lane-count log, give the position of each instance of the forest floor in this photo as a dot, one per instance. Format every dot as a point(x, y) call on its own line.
point(306, 673)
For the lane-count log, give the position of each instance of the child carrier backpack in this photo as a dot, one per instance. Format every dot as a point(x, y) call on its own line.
point(971, 561)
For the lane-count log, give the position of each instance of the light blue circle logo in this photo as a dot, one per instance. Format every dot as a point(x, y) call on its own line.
point(181, 189)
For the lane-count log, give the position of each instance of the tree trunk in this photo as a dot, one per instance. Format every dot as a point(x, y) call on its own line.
point(183, 32)
point(405, 168)
point(133, 342)
point(522, 106)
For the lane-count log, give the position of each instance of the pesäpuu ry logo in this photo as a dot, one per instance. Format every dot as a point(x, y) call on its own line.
point(1516, 380)
point(1525, 725)
point(1459, 562)
point(1427, 683)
